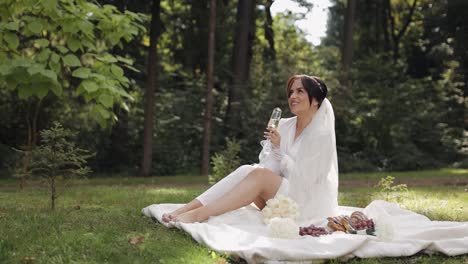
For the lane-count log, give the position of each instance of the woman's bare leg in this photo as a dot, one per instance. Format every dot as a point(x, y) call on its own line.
point(260, 183)
point(214, 192)
point(194, 204)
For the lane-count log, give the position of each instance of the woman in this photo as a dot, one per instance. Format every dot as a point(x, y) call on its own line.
point(298, 160)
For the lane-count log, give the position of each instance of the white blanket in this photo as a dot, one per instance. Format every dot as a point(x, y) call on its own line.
point(242, 232)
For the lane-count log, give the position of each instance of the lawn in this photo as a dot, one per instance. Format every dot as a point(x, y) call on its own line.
point(98, 219)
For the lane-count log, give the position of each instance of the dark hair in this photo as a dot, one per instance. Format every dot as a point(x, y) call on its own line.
point(314, 87)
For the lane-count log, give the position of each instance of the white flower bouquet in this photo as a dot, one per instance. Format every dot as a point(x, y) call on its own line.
point(282, 207)
point(280, 214)
point(283, 228)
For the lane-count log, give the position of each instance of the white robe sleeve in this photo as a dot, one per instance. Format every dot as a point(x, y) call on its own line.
point(287, 165)
point(275, 158)
point(269, 157)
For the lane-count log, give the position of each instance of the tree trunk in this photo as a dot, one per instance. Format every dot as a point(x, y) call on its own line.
point(458, 24)
point(384, 11)
point(53, 193)
point(347, 51)
point(209, 91)
point(269, 34)
point(150, 90)
point(32, 139)
point(119, 142)
point(241, 57)
point(377, 27)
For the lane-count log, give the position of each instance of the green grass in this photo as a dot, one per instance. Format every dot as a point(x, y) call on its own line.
point(109, 216)
point(423, 174)
point(124, 181)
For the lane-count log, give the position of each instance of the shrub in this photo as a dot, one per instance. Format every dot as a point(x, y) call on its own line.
point(225, 161)
point(387, 187)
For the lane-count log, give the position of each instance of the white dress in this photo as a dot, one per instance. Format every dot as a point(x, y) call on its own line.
point(274, 159)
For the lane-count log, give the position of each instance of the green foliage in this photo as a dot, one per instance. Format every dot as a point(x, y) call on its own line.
point(405, 108)
point(386, 186)
point(78, 57)
point(225, 161)
point(56, 158)
point(53, 46)
point(394, 122)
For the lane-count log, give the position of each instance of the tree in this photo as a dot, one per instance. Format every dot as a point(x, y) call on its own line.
point(151, 89)
point(241, 57)
point(62, 48)
point(56, 158)
point(209, 91)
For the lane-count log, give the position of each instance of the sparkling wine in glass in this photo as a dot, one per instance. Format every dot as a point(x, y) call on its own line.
point(275, 118)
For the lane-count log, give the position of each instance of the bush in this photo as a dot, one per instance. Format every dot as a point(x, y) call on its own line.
point(225, 161)
point(7, 158)
point(389, 190)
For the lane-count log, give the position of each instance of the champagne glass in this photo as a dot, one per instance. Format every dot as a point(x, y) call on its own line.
point(274, 118)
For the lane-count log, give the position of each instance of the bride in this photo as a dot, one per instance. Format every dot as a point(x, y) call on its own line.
point(298, 160)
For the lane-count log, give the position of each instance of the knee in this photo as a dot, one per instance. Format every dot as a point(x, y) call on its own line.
point(259, 173)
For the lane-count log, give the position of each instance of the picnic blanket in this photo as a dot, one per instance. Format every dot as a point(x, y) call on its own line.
point(243, 233)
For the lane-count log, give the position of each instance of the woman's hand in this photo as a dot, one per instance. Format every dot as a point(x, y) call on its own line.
point(273, 135)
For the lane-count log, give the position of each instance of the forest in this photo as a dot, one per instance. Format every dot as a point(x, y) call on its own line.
point(157, 88)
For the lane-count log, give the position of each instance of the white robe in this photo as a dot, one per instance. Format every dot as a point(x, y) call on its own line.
point(278, 160)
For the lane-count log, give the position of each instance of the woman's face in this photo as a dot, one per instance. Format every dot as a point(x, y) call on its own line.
point(298, 98)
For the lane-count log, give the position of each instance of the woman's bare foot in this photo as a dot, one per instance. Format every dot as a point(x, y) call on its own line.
point(172, 215)
point(189, 217)
point(194, 204)
point(167, 217)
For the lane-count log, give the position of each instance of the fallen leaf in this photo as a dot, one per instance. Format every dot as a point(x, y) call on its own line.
point(28, 259)
point(221, 261)
point(136, 240)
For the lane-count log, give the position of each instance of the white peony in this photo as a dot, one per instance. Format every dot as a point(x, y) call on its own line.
point(273, 203)
point(267, 212)
point(280, 206)
point(284, 201)
point(283, 228)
